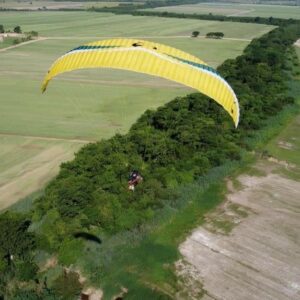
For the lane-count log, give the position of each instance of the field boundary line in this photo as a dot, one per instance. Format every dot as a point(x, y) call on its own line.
point(241, 13)
point(47, 138)
point(168, 85)
point(24, 43)
point(139, 37)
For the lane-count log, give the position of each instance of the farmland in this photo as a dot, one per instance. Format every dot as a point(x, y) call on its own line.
point(7, 42)
point(43, 5)
point(92, 25)
point(246, 10)
point(238, 252)
point(262, 213)
point(101, 103)
point(86, 230)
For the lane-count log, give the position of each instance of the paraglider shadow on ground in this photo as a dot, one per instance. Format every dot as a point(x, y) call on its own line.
point(87, 236)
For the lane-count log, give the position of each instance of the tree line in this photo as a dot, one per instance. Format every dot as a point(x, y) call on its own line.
point(138, 10)
point(170, 146)
point(17, 29)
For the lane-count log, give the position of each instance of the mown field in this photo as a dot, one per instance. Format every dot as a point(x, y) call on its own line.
point(91, 25)
point(247, 10)
point(7, 42)
point(85, 105)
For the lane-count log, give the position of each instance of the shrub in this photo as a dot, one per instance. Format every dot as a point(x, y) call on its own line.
point(17, 29)
point(67, 286)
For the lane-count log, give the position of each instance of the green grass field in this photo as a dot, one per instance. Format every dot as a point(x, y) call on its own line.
point(40, 4)
point(286, 146)
point(27, 163)
point(37, 129)
point(9, 41)
point(93, 25)
point(249, 10)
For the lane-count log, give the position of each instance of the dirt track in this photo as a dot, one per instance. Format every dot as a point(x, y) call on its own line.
point(23, 43)
point(48, 138)
point(260, 257)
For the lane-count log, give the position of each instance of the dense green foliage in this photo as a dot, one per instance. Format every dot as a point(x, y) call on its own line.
point(16, 246)
point(17, 29)
point(195, 33)
point(68, 286)
point(215, 35)
point(259, 79)
point(15, 240)
point(171, 146)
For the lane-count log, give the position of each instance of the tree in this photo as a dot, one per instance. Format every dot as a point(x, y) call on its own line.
point(1, 28)
point(26, 270)
point(195, 33)
point(67, 286)
point(74, 193)
point(215, 35)
point(24, 294)
point(219, 35)
point(15, 240)
point(33, 33)
point(16, 245)
point(17, 29)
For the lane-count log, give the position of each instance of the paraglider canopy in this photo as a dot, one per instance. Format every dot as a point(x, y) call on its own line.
point(153, 59)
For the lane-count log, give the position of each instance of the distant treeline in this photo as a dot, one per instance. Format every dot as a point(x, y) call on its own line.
point(133, 6)
point(41, 9)
point(137, 10)
point(157, 3)
point(127, 6)
point(211, 17)
point(182, 2)
point(215, 35)
point(171, 146)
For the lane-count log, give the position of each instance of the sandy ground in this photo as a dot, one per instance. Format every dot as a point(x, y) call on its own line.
point(260, 257)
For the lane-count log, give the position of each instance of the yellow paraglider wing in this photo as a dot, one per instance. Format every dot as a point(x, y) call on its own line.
point(153, 59)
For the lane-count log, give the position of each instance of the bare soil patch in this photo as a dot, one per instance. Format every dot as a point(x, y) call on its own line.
point(259, 257)
point(50, 263)
point(93, 294)
point(285, 145)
